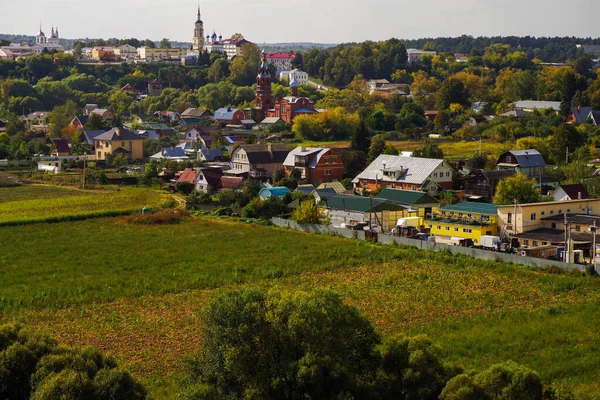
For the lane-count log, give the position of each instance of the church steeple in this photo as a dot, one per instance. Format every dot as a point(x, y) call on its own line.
point(198, 42)
point(264, 96)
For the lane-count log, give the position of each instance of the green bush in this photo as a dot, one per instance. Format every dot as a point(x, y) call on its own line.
point(33, 366)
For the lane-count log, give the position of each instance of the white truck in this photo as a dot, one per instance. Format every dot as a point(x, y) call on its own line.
point(490, 242)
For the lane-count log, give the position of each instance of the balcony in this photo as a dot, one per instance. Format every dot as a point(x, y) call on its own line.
point(257, 173)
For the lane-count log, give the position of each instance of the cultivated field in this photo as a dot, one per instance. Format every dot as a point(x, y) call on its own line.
point(35, 203)
point(136, 292)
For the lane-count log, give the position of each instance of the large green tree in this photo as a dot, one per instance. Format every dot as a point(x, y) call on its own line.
point(280, 345)
point(517, 188)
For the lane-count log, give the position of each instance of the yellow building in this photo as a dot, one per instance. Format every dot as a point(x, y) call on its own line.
point(103, 53)
point(154, 55)
point(519, 218)
point(464, 220)
point(119, 141)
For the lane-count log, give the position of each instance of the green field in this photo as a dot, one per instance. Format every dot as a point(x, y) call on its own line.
point(34, 203)
point(136, 291)
point(455, 149)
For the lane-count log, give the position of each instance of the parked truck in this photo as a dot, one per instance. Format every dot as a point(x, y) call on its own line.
point(490, 243)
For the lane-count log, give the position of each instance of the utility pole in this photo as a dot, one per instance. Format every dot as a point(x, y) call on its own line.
point(594, 244)
point(565, 251)
point(83, 177)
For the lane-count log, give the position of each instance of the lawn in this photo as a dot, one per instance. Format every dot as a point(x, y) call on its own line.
point(33, 203)
point(136, 292)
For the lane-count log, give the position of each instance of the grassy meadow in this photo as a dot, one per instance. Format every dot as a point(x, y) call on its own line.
point(454, 150)
point(136, 292)
point(36, 203)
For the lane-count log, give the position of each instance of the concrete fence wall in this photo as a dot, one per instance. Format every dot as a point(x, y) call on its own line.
point(423, 245)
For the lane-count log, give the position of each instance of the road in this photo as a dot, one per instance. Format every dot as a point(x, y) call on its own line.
point(315, 84)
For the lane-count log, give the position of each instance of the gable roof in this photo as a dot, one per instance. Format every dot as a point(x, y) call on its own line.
point(306, 189)
point(527, 158)
point(211, 154)
point(363, 204)
point(335, 185)
point(212, 175)
point(272, 120)
point(61, 145)
point(260, 154)
point(82, 119)
point(581, 114)
point(188, 175)
point(196, 112)
point(595, 116)
point(316, 152)
point(99, 111)
point(496, 174)
point(406, 197)
point(91, 135)
point(118, 134)
point(231, 182)
point(574, 190)
point(415, 169)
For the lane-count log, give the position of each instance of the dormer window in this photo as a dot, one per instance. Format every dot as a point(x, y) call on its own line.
point(508, 159)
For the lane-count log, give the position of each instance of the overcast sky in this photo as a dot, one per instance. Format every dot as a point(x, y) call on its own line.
point(323, 21)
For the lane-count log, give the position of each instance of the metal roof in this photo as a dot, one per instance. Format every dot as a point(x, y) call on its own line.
point(225, 113)
point(361, 204)
point(119, 134)
point(537, 104)
point(477, 208)
point(406, 197)
point(528, 158)
point(416, 169)
point(305, 151)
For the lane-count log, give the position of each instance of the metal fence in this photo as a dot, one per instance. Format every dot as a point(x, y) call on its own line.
point(424, 245)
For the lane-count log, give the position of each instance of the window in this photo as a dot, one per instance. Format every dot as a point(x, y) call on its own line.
point(543, 213)
point(551, 212)
point(455, 229)
point(334, 160)
point(327, 172)
point(533, 216)
point(122, 144)
point(508, 159)
point(467, 230)
point(560, 211)
point(447, 228)
point(430, 226)
point(393, 186)
point(469, 215)
point(553, 225)
point(568, 210)
point(438, 227)
point(414, 187)
point(443, 212)
point(99, 154)
point(460, 214)
point(326, 160)
point(447, 174)
point(526, 242)
point(577, 228)
point(544, 243)
point(535, 243)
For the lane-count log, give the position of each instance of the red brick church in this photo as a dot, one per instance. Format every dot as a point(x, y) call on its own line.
point(287, 108)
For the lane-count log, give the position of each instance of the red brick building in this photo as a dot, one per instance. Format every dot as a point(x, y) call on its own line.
point(264, 96)
point(317, 164)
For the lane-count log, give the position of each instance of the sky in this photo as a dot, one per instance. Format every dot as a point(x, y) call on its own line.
point(321, 21)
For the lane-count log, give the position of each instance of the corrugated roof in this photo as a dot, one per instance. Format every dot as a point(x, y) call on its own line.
point(416, 169)
point(337, 186)
point(225, 113)
point(537, 104)
point(406, 197)
point(477, 208)
point(350, 202)
point(306, 189)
